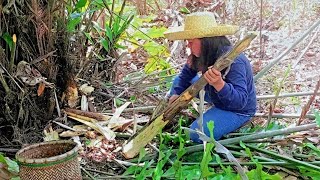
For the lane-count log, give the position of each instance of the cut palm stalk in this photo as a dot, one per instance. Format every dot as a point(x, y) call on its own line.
point(93, 115)
point(291, 160)
point(276, 163)
point(145, 135)
point(260, 135)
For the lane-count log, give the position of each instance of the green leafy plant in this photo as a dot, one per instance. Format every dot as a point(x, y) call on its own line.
point(207, 157)
point(258, 173)
point(6, 36)
point(10, 166)
point(162, 160)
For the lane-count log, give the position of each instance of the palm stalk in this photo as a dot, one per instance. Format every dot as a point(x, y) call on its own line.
point(276, 163)
point(260, 135)
point(288, 159)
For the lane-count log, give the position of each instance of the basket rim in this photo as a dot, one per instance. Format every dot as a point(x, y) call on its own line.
point(60, 157)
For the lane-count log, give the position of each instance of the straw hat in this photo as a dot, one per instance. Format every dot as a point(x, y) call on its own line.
point(199, 25)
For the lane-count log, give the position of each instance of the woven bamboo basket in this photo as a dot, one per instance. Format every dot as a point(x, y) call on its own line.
point(49, 160)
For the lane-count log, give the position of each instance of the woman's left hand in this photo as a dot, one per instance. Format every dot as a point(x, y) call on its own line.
point(214, 78)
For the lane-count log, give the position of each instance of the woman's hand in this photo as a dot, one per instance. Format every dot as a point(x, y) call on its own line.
point(214, 78)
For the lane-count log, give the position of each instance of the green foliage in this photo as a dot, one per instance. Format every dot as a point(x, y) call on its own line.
point(185, 10)
point(258, 173)
point(177, 166)
point(11, 165)
point(146, 38)
point(313, 148)
point(119, 101)
point(309, 173)
point(207, 157)
point(6, 36)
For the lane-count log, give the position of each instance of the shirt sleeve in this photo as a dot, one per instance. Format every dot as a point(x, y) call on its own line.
point(183, 80)
point(234, 94)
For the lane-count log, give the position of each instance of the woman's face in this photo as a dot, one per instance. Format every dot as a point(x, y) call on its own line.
point(195, 46)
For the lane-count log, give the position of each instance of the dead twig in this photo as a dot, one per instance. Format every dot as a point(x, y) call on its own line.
point(306, 108)
point(89, 115)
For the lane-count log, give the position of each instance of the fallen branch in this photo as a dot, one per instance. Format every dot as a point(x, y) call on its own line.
point(141, 138)
point(9, 150)
point(305, 50)
point(284, 53)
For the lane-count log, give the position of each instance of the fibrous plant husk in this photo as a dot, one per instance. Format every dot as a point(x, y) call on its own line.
point(49, 58)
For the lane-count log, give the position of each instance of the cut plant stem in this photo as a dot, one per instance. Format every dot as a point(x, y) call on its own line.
point(239, 154)
point(294, 94)
point(284, 115)
point(276, 163)
point(260, 135)
point(291, 160)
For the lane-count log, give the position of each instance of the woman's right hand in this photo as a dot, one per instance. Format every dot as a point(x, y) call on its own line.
point(172, 98)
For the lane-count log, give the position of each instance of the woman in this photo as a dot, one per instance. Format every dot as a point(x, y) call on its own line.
point(231, 91)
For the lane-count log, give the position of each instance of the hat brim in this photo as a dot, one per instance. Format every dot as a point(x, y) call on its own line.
point(178, 33)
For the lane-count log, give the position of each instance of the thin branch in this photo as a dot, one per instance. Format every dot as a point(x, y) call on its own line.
point(306, 108)
point(305, 50)
point(284, 53)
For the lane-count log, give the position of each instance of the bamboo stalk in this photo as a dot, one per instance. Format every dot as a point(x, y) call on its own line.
point(260, 135)
point(284, 53)
point(291, 160)
point(294, 94)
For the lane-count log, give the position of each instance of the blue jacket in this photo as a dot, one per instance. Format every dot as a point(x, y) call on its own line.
point(238, 94)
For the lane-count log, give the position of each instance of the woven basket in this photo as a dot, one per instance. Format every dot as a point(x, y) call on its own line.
point(49, 160)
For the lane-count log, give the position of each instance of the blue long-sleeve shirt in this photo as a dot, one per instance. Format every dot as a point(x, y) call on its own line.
point(237, 95)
